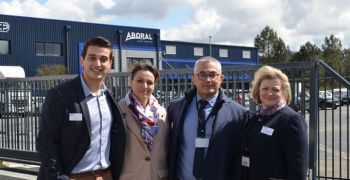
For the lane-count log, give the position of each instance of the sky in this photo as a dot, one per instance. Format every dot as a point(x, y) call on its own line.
point(229, 22)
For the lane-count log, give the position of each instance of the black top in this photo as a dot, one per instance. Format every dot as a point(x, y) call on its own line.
point(61, 143)
point(276, 146)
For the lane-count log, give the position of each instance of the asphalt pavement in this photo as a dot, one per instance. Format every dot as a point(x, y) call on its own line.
point(16, 171)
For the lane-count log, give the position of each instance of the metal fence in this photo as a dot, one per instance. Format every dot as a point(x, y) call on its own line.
point(21, 101)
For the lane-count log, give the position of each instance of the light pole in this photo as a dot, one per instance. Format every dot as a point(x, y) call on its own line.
point(209, 45)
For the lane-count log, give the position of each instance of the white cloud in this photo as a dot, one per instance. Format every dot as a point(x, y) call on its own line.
point(107, 4)
point(23, 8)
point(228, 21)
point(205, 23)
point(69, 10)
point(295, 21)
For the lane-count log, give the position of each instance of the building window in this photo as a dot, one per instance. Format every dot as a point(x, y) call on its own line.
point(4, 46)
point(133, 60)
point(223, 53)
point(246, 54)
point(198, 51)
point(170, 49)
point(48, 49)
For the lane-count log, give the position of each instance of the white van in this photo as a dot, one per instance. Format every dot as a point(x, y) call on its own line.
point(11, 72)
point(16, 95)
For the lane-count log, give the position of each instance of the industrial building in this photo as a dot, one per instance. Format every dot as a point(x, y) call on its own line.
point(182, 55)
point(33, 42)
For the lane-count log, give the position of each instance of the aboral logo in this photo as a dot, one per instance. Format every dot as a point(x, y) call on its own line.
point(138, 36)
point(4, 26)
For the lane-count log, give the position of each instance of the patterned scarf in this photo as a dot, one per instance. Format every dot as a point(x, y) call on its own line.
point(261, 112)
point(147, 117)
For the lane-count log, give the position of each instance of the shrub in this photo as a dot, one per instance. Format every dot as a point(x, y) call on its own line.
point(51, 70)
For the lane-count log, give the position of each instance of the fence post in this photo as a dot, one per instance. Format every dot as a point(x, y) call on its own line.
point(313, 124)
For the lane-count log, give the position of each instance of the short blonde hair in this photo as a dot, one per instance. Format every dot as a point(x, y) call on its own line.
point(268, 72)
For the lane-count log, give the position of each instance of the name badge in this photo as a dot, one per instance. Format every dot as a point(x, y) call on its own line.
point(75, 117)
point(202, 142)
point(267, 130)
point(245, 161)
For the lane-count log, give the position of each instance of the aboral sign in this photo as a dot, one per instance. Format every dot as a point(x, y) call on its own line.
point(138, 36)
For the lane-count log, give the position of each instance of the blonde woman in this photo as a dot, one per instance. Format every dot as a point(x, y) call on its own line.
point(275, 140)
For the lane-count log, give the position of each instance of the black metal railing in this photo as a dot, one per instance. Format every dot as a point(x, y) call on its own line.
point(328, 125)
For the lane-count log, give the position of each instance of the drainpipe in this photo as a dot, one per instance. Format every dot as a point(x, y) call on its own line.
point(120, 40)
point(67, 28)
point(157, 63)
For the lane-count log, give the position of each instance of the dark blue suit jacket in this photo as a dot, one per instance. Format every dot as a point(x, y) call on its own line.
point(223, 154)
point(282, 154)
point(62, 143)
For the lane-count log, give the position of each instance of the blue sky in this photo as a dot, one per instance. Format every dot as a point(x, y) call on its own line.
point(231, 22)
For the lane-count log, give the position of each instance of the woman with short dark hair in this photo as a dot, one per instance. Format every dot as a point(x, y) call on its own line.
point(147, 129)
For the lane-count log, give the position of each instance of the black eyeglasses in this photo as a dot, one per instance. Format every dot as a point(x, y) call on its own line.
point(203, 76)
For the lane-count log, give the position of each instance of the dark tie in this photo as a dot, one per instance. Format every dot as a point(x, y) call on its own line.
point(199, 153)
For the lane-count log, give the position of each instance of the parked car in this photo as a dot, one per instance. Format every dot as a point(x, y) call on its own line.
point(37, 104)
point(15, 96)
point(326, 100)
point(246, 100)
point(237, 96)
point(343, 95)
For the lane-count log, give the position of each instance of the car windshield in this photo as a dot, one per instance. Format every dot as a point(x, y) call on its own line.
point(321, 94)
point(341, 93)
point(325, 94)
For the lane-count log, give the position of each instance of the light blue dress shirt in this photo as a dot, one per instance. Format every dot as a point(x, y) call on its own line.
point(97, 156)
point(187, 147)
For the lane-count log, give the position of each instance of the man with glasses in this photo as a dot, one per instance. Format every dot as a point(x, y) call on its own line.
point(205, 128)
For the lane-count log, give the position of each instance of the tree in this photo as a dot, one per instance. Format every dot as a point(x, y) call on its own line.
point(307, 52)
point(272, 49)
point(346, 53)
point(51, 70)
point(281, 52)
point(332, 53)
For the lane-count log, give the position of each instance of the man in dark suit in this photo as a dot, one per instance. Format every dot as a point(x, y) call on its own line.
point(81, 131)
point(205, 128)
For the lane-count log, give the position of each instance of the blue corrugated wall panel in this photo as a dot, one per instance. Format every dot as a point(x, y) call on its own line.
point(25, 32)
point(185, 51)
